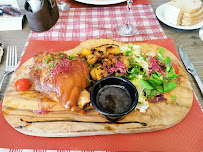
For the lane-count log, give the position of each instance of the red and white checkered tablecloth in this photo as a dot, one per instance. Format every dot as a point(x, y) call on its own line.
point(79, 24)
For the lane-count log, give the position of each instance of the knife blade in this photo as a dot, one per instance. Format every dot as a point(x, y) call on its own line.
point(189, 67)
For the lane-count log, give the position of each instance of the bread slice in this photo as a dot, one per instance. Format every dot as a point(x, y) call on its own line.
point(189, 21)
point(192, 19)
point(184, 12)
point(186, 23)
point(187, 6)
point(193, 15)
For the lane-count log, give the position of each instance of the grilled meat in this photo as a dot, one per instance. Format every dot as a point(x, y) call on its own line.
point(61, 78)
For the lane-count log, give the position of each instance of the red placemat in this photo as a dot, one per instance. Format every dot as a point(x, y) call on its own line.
point(185, 136)
point(75, 4)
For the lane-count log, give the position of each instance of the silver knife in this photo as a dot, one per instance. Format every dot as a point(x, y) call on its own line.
point(190, 68)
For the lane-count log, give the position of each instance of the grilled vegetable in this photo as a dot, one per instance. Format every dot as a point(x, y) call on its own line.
point(98, 73)
point(86, 52)
point(91, 59)
point(113, 50)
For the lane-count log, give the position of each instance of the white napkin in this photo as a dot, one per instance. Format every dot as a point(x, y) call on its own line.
point(35, 5)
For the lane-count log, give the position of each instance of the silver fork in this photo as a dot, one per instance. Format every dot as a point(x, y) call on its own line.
point(11, 62)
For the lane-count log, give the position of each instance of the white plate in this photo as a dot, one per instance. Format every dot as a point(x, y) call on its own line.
point(160, 16)
point(101, 2)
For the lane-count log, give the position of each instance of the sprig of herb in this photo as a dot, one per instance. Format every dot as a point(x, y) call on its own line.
point(90, 66)
point(46, 61)
point(71, 57)
point(174, 98)
point(36, 68)
point(88, 78)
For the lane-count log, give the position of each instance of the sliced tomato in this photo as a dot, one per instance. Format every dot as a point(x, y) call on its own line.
point(22, 84)
point(175, 67)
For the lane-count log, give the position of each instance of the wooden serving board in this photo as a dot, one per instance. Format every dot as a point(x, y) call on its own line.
point(18, 106)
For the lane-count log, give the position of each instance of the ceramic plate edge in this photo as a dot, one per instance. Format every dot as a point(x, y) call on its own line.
point(100, 2)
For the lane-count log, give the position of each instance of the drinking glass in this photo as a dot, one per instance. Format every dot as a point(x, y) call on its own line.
point(127, 29)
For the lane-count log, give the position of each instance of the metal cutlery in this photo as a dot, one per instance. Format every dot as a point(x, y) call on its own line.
point(190, 68)
point(11, 62)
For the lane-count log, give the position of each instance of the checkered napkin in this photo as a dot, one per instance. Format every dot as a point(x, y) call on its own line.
point(79, 24)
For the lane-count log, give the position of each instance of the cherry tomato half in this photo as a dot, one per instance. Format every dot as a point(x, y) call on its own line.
point(175, 67)
point(22, 84)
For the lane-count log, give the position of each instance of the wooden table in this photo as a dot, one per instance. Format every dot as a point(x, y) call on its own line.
point(189, 39)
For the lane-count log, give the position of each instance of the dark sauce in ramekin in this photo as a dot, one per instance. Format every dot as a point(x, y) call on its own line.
point(114, 99)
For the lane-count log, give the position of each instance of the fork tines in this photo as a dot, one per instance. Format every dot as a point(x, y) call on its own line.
point(11, 59)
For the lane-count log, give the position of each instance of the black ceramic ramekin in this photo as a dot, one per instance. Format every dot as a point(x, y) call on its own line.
point(113, 80)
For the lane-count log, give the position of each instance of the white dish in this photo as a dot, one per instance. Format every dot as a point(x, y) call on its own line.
point(101, 2)
point(160, 16)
